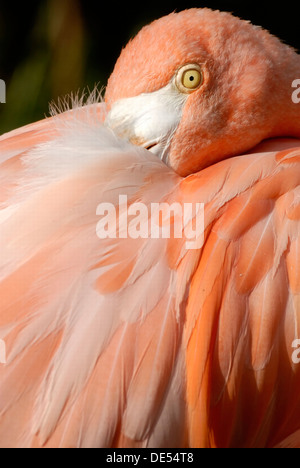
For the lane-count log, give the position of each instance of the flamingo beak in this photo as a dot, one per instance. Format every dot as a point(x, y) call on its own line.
point(149, 119)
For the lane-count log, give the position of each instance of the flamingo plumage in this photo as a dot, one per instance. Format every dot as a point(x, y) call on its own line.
point(126, 342)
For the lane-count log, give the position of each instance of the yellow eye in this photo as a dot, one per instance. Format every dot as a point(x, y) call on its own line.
point(189, 78)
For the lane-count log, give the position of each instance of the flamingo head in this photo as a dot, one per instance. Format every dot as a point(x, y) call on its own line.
point(199, 86)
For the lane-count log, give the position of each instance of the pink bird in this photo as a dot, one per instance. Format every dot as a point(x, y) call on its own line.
point(141, 342)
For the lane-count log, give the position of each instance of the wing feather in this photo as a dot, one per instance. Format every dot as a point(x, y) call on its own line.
point(244, 310)
point(142, 343)
point(107, 307)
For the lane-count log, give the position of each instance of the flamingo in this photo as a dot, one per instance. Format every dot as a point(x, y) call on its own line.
point(122, 342)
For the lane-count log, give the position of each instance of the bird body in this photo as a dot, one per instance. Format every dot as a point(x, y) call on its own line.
point(141, 342)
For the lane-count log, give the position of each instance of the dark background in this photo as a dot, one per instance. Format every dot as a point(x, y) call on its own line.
point(49, 48)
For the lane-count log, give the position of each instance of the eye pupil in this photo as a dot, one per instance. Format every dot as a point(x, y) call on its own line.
point(192, 78)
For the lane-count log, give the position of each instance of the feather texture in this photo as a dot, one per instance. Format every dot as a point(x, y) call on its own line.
point(109, 339)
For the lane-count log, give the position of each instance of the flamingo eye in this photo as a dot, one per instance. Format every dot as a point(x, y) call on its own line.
point(189, 78)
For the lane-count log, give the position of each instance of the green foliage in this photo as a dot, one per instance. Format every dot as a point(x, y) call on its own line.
point(52, 67)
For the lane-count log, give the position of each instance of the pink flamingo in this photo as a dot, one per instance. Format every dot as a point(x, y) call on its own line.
point(127, 342)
